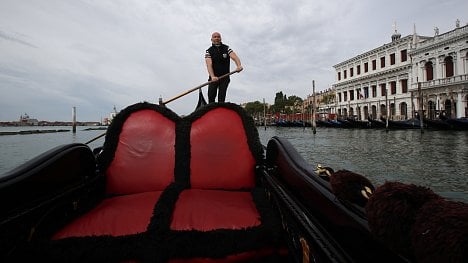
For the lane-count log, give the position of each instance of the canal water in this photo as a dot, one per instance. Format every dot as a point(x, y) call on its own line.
point(435, 159)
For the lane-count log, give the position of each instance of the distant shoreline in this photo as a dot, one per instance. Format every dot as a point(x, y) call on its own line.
point(30, 132)
point(37, 131)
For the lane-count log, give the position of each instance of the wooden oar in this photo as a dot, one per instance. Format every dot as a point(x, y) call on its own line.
point(198, 87)
point(178, 96)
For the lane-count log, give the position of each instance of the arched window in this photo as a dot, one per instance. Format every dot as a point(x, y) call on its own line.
point(404, 109)
point(466, 105)
point(448, 108)
point(392, 109)
point(383, 110)
point(448, 66)
point(374, 112)
point(432, 110)
point(429, 71)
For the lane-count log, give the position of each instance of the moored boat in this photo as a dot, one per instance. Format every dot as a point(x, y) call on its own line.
point(458, 123)
point(199, 188)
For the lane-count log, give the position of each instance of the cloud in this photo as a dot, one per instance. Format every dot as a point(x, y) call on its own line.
point(16, 39)
point(96, 54)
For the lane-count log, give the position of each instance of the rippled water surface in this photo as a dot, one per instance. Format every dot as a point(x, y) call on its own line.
point(436, 159)
point(17, 149)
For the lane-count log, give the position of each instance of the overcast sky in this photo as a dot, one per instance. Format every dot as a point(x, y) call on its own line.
point(96, 54)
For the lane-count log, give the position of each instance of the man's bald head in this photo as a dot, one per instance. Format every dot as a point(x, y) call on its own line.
point(216, 38)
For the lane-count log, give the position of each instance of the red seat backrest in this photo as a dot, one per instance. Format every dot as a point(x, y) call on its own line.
point(220, 153)
point(144, 157)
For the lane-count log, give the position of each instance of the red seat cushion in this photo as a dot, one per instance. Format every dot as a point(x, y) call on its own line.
point(116, 216)
point(205, 210)
point(220, 153)
point(145, 156)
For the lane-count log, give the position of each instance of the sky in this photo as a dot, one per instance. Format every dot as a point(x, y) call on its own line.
point(94, 55)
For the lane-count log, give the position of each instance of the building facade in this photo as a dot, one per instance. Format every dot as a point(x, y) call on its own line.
point(440, 73)
point(384, 81)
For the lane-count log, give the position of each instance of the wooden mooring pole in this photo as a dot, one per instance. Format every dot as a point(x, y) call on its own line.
point(314, 125)
point(74, 119)
point(264, 113)
point(421, 116)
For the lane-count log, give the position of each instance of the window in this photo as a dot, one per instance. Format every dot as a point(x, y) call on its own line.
point(382, 62)
point(339, 97)
point(404, 55)
point(366, 92)
point(393, 87)
point(359, 94)
point(358, 69)
point(392, 59)
point(351, 72)
point(351, 95)
point(374, 64)
point(404, 86)
point(383, 90)
point(344, 74)
point(374, 91)
point(345, 96)
point(366, 67)
point(339, 75)
point(429, 71)
point(448, 66)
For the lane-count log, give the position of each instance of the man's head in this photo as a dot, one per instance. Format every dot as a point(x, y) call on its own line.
point(216, 38)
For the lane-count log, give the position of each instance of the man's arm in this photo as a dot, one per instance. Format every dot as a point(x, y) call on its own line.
point(209, 67)
point(236, 59)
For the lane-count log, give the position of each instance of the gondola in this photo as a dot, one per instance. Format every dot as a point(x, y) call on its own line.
point(198, 188)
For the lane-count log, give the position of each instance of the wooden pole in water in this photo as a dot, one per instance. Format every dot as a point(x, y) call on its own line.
point(303, 117)
point(420, 107)
point(74, 119)
point(264, 113)
point(314, 126)
point(386, 108)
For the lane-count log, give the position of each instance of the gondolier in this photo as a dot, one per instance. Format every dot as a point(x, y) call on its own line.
point(217, 59)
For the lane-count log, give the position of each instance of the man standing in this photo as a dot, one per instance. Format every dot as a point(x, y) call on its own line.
point(217, 59)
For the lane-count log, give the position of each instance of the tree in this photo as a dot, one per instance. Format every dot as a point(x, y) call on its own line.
point(252, 108)
point(295, 103)
point(328, 98)
point(280, 102)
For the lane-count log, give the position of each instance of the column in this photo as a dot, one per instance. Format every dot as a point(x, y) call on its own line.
point(462, 63)
point(460, 105)
point(439, 68)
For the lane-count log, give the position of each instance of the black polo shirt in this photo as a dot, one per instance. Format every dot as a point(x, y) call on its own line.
point(219, 55)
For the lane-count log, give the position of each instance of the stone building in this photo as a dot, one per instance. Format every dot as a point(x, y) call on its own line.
point(440, 73)
point(384, 81)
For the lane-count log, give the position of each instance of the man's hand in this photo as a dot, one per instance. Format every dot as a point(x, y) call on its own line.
point(214, 78)
point(239, 69)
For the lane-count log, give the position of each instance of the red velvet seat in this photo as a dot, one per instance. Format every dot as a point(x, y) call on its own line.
point(179, 190)
point(114, 216)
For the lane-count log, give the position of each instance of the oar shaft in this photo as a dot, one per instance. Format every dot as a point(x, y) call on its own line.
point(197, 87)
point(176, 97)
point(92, 140)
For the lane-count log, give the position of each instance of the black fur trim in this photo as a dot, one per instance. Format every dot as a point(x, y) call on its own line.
point(183, 153)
